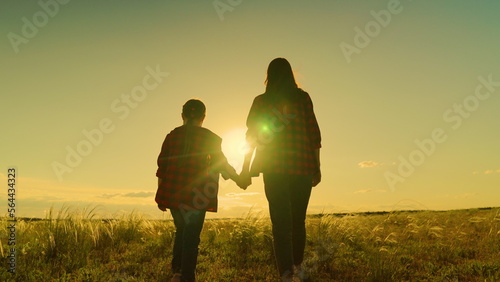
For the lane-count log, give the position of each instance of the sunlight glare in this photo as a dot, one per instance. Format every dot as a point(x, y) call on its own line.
point(235, 147)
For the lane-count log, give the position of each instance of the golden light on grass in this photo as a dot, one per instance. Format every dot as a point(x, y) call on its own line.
point(74, 244)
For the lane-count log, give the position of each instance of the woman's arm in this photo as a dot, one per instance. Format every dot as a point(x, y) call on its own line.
point(252, 118)
point(247, 160)
point(246, 179)
point(314, 135)
point(317, 177)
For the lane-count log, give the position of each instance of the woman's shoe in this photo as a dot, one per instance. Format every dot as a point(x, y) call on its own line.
point(176, 278)
point(299, 272)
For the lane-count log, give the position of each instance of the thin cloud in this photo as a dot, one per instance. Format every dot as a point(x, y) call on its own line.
point(108, 196)
point(363, 191)
point(466, 195)
point(139, 194)
point(366, 164)
point(486, 172)
point(242, 194)
point(40, 196)
point(229, 201)
point(128, 195)
point(370, 191)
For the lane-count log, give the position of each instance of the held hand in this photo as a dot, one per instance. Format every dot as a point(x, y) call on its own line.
point(316, 179)
point(244, 180)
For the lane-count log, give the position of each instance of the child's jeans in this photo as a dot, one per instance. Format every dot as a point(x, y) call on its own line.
point(188, 225)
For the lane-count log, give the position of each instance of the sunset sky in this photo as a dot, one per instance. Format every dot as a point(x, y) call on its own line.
point(406, 93)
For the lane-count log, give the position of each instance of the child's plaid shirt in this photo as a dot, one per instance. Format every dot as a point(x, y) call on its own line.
point(189, 165)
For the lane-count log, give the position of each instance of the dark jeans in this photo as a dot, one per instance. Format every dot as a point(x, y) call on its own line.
point(188, 227)
point(288, 197)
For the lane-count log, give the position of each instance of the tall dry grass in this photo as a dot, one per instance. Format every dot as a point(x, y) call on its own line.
point(74, 245)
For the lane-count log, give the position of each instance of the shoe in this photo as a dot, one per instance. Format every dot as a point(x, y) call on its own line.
point(176, 278)
point(299, 272)
point(287, 277)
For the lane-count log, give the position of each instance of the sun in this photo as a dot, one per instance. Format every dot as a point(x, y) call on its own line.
point(235, 147)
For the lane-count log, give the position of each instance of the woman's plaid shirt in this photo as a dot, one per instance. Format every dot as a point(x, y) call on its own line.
point(189, 165)
point(285, 135)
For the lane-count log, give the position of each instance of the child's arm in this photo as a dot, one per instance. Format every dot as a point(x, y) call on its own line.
point(228, 172)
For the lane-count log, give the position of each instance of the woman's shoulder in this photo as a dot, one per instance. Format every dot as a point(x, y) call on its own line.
point(260, 98)
point(302, 93)
point(298, 95)
point(303, 96)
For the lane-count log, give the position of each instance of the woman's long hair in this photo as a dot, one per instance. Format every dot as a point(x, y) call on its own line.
point(280, 82)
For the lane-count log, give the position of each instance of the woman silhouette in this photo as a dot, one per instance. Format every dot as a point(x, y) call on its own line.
point(284, 133)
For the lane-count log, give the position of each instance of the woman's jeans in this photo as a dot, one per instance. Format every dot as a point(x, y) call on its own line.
point(288, 197)
point(188, 225)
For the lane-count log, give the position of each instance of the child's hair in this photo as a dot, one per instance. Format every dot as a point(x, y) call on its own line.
point(194, 108)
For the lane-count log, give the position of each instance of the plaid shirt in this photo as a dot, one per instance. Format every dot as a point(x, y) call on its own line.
point(189, 165)
point(285, 135)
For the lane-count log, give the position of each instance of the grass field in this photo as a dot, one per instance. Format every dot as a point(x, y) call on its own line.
point(71, 245)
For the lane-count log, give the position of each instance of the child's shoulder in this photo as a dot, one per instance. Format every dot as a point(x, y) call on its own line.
point(176, 130)
point(198, 130)
point(209, 133)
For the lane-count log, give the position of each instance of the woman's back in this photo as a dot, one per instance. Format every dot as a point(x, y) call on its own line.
point(285, 133)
